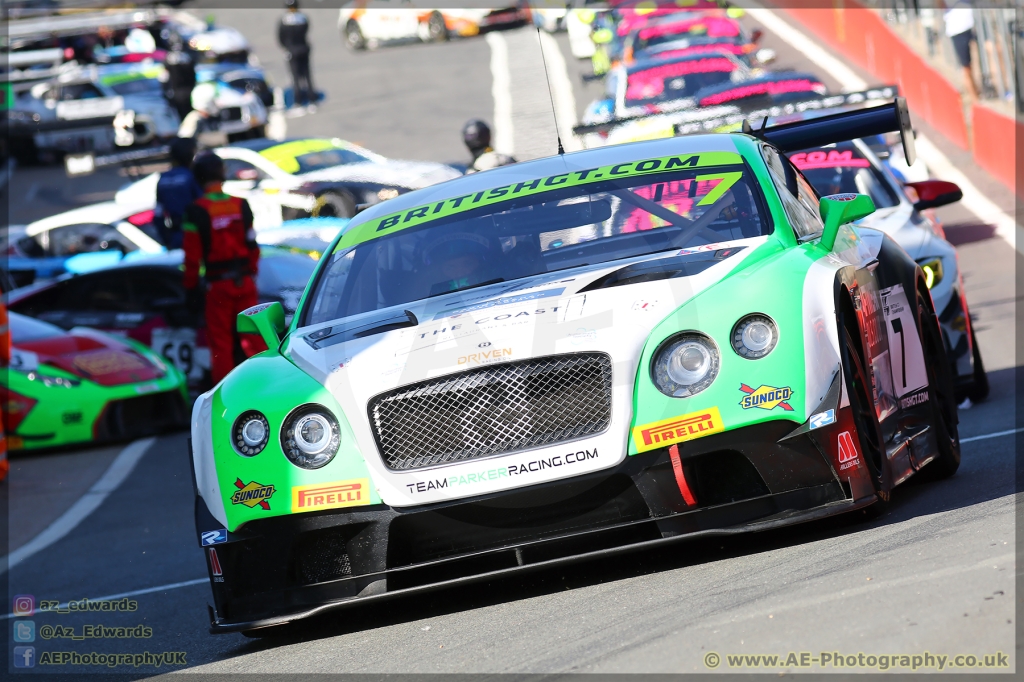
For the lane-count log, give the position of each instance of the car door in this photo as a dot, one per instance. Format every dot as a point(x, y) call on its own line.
point(171, 329)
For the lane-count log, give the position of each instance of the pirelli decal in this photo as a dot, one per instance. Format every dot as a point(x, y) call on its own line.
point(677, 429)
point(446, 207)
point(334, 495)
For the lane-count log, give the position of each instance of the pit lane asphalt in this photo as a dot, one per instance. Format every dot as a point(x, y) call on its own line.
point(934, 573)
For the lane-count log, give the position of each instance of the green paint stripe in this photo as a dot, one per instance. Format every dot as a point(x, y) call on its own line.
point(396, 222)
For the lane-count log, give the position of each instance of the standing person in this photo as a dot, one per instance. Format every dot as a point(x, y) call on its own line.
point(959, 18)
point(181, 78)
point(477, 136)
point(291, 34)
point(175, 191)
point(219, 235)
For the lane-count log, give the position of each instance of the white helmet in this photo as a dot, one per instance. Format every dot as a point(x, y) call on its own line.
point(204, 98)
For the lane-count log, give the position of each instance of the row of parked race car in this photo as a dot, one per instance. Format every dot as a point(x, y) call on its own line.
point(666, 72)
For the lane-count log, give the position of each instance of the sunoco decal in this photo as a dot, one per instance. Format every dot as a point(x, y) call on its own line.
point(509, 471)
point(677, 429)
point(352, 493)
point(422, 214)
point(766, 397)
point(252, 494)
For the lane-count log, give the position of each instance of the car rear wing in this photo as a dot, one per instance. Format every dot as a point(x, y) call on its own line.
point(710, 119)
point(840, 127)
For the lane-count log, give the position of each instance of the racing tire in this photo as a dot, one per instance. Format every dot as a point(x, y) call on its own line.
point(865, 420)
point(979, 388)
point(941, 396)
point(437, 31)
point(334, 205)
point(354, 39)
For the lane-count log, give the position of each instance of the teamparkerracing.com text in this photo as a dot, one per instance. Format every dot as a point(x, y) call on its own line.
point(838, 660)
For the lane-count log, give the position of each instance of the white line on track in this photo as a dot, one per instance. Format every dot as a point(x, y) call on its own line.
point(997, 434)
point(113, 477)
point(974, 201)
point(561, 88)
point(501, 91)
point(133, 593)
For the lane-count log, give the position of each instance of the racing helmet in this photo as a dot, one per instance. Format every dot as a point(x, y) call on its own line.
point(183, 150)
point(476, 134)
point(204, 98)
point(207, 168)
point(456, 245)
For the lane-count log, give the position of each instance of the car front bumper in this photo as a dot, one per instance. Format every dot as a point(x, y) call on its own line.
point(283, 569)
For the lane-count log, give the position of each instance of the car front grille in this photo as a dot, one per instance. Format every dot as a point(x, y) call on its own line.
point(493, 410)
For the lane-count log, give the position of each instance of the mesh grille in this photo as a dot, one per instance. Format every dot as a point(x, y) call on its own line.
point(493, 410)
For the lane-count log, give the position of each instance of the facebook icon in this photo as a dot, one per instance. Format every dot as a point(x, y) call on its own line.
point(24, 657)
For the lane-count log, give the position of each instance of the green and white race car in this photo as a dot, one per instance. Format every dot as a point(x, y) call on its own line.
point(567, 357)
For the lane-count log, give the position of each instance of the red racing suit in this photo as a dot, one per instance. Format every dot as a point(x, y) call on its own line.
point(219, 234)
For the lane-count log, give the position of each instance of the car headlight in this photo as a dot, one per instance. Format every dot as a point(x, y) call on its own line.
point(310, 437)
point(754, 336)
point(685, 365)
point(932, 271)
point(250, 433)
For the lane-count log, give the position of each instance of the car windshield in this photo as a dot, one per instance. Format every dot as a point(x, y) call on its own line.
point(25, 329)
point(676, 80)
point(305, 156)
point(139, 86)
point(843, 169)
point(537, 232)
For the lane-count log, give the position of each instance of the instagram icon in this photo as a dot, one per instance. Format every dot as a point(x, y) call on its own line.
point(24, 605)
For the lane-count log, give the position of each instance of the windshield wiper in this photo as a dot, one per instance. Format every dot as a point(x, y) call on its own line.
point(496, 280)
point(330, 336)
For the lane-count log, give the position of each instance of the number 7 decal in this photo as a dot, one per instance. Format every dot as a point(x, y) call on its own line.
point(897, 327)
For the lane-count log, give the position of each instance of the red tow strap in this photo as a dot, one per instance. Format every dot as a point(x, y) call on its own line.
point(677, 468)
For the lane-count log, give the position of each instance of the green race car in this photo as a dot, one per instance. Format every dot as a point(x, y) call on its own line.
point(80, 386)
point(567, 357)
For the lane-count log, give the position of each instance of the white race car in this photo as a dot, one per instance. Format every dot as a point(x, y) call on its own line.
point(322, 177)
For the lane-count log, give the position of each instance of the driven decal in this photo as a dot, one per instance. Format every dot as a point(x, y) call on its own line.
point(512, 470)
point(766, 397)
point(422, 214)
point(847, 452)
point(677, 429)
point(352, 493)
point(252, 494)
point(485, 356)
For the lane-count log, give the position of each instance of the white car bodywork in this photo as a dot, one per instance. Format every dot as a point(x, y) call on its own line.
point(109, 213)
point(268, 188)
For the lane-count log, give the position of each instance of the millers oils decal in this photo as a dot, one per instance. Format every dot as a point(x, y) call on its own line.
point(252, 493)
point(677, 429)
point(766, 397)
point(353, 493)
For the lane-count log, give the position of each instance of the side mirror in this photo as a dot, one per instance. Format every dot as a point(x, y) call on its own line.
point(265, 319)
point(756, 35)
point(602, 36)
point(934, 193)
point(838, 209)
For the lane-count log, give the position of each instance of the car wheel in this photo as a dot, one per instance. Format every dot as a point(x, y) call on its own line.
point(941, 396)
point(354, 39)
point(979, 388)
point(334, 205)
point(437, 32)
point(865, 419)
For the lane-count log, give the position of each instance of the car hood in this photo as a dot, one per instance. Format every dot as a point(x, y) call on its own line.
point(406, 174)
point(90, 355)
point(556, 314)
